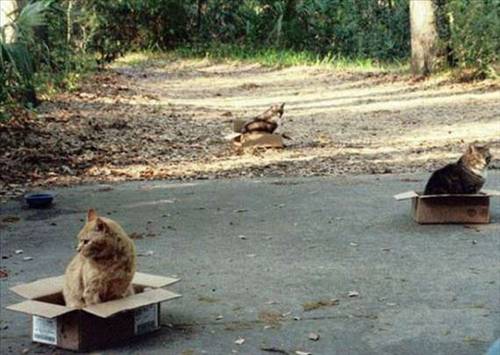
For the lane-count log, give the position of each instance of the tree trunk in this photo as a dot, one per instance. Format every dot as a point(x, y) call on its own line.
point(7, 9)
point(202, 8)
point(423, 36)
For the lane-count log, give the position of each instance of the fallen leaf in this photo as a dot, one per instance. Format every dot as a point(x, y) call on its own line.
point(3, 274)
point(271, 318)
point(239, 341)
point(148, 253)
point(474, 227)
point(207, 299)
point(313, 336)
point(309, 306)
point(10, 219)
point(135, 235)
point(275, 350)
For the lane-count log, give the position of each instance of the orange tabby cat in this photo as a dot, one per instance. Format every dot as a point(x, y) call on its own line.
point(104, 266)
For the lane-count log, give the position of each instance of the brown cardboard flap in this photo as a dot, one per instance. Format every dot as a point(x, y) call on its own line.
point(405, 195)
point(410, 194)
point(491, 192)
point(232, 136)
point(155, 281)
point(107, 309)
point(479, 195)
point(261, 139)
point(40, 288)
point(42, 309)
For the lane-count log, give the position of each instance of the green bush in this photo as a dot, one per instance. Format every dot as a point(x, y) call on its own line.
point(474, 33)
point(117, 26)
point(18, 56)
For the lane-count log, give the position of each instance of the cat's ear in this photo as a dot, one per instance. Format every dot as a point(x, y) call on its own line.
point(101, 225)
point(91, 215)
point(471, 148)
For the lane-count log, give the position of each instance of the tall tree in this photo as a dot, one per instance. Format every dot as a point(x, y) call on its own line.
point(423, 36)
point(7, 10)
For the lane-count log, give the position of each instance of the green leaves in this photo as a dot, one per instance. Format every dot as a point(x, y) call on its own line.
point(16, 60)
point(474, 28)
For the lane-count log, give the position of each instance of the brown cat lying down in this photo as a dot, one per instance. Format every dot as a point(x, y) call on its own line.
point(467, 176)
point(104, 266)
point(266, 121)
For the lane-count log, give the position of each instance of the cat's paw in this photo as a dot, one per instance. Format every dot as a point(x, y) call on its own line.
point(77, 305)
point(91, 298)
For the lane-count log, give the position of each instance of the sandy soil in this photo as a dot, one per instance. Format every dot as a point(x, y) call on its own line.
point(167, 119)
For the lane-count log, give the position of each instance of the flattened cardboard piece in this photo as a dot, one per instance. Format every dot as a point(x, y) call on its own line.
point(405, 195)
point(232, 136)
point(491, 192)
point(107, 309)
point(154, 281)
point(42, 309)
point(40, 288)
point(261, 139)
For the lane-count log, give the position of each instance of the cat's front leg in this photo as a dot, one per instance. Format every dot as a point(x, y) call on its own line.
point(75, 304)
point(91, 296)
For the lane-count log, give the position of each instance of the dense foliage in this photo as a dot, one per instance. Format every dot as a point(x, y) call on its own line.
point(474, 33)
point(362, 28)
point(61, 32)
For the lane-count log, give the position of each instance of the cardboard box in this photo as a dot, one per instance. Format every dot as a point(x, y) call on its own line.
point(96, 326)
point(261, 140)
point(433, 209)
point(256, 140)
point(253, 139)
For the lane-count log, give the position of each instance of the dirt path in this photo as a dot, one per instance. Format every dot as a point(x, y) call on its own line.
point(167, 119)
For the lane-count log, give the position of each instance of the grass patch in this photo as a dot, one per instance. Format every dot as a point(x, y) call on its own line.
point(269, 57)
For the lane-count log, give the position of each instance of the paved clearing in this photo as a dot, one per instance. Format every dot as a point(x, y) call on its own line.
point(155, 119)
point(307, 241)
point(422, 289)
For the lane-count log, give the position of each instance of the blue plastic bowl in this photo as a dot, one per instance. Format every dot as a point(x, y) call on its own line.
point(39, 199)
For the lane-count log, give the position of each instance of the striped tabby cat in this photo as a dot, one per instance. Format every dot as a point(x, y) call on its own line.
point(466, 176)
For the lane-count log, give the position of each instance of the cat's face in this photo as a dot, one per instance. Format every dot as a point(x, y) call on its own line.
point(96, 240)
point(279, 109)
point(477, 157)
